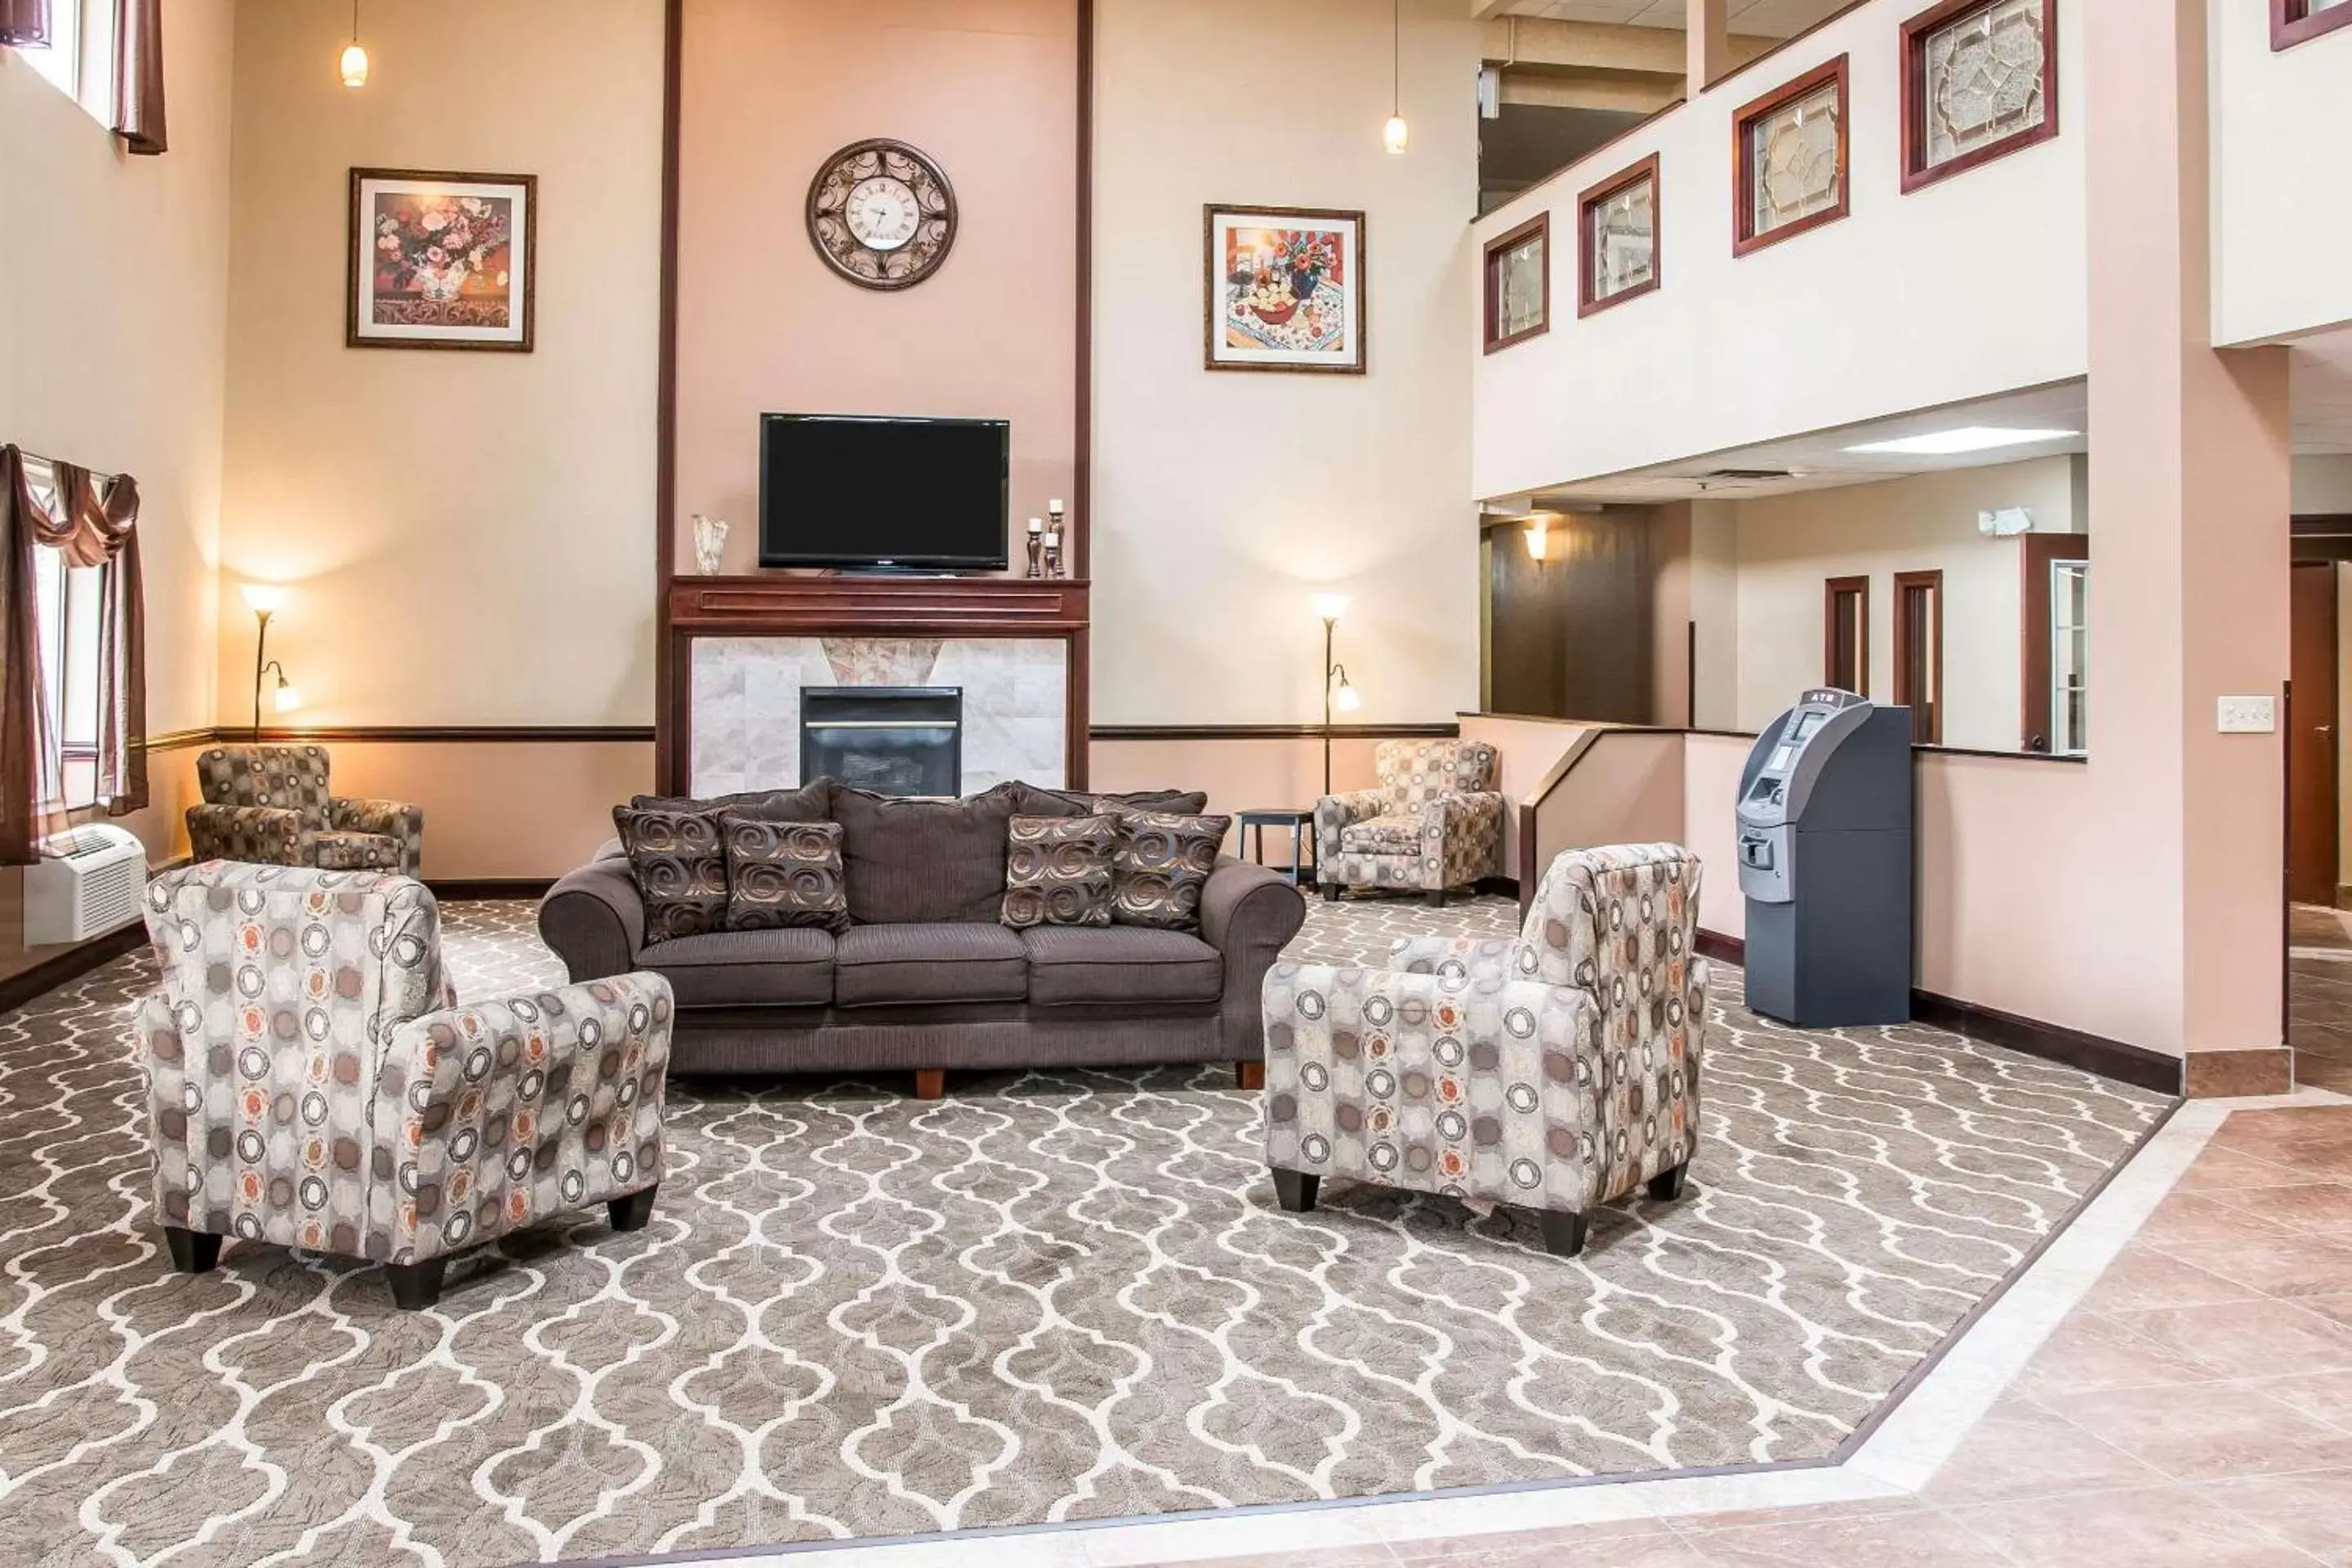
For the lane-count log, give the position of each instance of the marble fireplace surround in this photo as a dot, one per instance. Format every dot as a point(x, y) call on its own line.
point(745, 699)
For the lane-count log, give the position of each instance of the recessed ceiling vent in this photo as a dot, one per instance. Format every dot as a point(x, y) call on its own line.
point(1743, 475)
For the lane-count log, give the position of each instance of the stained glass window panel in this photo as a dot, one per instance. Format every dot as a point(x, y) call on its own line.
point(1793, 160)
point(1519, 288)
point(1983, 76)
point(1623, 230)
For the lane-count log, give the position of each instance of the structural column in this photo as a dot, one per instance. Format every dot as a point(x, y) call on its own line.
point(2189, 499)
point(1708, 42)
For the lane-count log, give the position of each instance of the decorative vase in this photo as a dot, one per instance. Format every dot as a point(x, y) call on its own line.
point(709, 540)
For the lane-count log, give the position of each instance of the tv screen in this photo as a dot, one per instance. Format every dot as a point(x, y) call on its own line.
point(854, 491)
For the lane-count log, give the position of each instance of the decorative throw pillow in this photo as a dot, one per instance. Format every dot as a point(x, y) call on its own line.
point(1035, 800)
point(812, 802)
point(679, 865)
point(1163, 861)
point(784, 874)
point(912, 861)
point(1057, 871)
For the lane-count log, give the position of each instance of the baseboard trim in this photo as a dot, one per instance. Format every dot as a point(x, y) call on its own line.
point(1497, 887)
point(1722, 949)
point(2247, 1070)
point(468, 890)
point(30, 984)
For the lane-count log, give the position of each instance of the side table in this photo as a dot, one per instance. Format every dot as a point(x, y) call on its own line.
point(1301, 824)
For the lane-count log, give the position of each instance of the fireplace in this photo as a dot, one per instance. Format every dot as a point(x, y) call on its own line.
point(891, 740)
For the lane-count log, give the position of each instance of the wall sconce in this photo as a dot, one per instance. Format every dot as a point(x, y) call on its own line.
point(265, 600)
point(1538, 537)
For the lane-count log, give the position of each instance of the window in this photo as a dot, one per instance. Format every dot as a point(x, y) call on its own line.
point(2294, 21)
point(1846, 633)
point(80, 33)
point(1617, 245)
point(1519, 284)
point(1791, 146)
point(1979, 81)
point(1919, 653)
point(2057, 617)
point(69, 607)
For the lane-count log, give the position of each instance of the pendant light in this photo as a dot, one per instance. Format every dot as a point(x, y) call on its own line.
point(354, 63)
point(1395, 134)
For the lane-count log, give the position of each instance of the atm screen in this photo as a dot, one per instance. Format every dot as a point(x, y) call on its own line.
point(1806, 724)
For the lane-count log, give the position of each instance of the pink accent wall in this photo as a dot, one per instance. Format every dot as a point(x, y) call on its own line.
point(770, 88)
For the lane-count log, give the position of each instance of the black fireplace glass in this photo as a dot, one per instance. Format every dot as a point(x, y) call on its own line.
point(889, 739)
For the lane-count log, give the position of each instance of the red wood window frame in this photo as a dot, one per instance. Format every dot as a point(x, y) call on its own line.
point(1926, 705)
point(1916, 171)
point(1537, 228)
point(1743, 238)
point(1586, 301)
point(2294, 22)
point(1832, 590)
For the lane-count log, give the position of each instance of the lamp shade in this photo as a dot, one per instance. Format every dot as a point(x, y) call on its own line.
point(1345, 700)
point(1331, 606)
point(1396, 136)
point(355, 65)
point(289, 697)
point(266, 598)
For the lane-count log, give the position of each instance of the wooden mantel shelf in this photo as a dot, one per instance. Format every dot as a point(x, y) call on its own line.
point(778, 606)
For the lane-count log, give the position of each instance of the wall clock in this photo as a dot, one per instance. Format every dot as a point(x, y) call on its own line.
point(881, 214)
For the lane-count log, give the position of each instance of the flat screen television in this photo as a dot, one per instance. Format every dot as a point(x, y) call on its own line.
point(881, 494)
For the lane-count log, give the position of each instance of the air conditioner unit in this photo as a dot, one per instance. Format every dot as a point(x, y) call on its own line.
point(88, 883)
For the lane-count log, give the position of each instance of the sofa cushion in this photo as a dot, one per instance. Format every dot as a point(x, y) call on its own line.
point(339, 851)
point(787, 967)
point(1382, 836)
point(784, 874)
point(1119, 964)
point(950, 960)
point(911, 861)
point(1057, 871)
point(679, 866)
point(810, 803)
point(1035, 800)
point(1164, 858)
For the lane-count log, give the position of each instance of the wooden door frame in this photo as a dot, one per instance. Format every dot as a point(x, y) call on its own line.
point(1831, 588)
point(2334, 750)
point(1904, 674)
point(2034, 558)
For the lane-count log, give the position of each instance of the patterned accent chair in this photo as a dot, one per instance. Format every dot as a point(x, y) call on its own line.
point(1434, 823)
point(1558, 1070)
point(312, 1082)
point(271, 805)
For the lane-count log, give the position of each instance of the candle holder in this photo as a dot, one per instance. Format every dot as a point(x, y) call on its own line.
point(1054, 531)
point(1036, 547)
point(1053, 552)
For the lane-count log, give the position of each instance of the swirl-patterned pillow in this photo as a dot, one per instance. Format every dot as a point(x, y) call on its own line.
point(1057, 871)
point(1163, 861)
point(679, 866)
point(784, 874)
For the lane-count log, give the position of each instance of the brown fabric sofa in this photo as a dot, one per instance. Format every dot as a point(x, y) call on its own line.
point(939, 985)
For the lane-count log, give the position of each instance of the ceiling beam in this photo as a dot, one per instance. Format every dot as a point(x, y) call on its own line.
point(1482, 9)
point(1631, 92)
point(1607, 45)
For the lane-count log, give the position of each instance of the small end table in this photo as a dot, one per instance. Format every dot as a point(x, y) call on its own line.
point(1300, 824)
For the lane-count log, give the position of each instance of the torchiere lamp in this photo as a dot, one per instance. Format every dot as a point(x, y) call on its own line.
point(1337, 691)
point(267, 599)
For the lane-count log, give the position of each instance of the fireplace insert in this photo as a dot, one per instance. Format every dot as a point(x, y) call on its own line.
point(891, 740)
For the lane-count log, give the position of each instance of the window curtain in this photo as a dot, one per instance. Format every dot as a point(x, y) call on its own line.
point(24, 21)
point(138, 74)
point(92, 523)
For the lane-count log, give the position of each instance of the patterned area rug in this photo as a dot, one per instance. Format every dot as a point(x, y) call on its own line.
point(1050, 1297)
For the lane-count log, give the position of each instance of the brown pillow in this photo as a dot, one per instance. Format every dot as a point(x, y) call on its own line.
point(1163, 861)
point(1057, 871)
point(784, 874)
point(912, 860)
point(1035, 800)
point(679, 865)
point(810, 803)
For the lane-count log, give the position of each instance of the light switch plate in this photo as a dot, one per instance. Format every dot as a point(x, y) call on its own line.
point(2247, 715)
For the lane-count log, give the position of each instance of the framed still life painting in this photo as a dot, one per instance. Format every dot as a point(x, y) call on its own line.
point(441, 260)
point(1286, 290)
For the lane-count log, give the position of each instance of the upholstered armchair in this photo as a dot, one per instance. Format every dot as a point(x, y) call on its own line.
point(1558, 1070)
point(1434, 822)
point(271, 805)
point(313, 1082)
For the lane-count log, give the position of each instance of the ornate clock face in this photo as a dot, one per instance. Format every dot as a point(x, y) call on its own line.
point(882, 214)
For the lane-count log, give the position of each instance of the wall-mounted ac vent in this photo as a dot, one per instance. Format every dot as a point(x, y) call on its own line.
point(1742, 476)
point(85, 884)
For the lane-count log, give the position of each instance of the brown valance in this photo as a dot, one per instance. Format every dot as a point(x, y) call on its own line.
point(139, 74)
point(93, 522)
point(25, 22)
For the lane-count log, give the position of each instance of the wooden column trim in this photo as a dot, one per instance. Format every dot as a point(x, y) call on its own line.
point(668, 746)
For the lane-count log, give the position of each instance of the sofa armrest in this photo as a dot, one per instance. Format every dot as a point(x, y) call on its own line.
point(502, 1114)
point(594, 920)
point(1476, 958)
point(388, 818)
point(262, 835)
point(1462, 836)
point(1333, 814)
point(1248, 913)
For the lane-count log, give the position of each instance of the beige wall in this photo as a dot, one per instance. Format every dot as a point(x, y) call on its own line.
point(2321, 485)
point(1238, 774)
point(1528, 748)
point(1222, 499)
point(470, 533)
point(498, 810)
point(113, 312)
point(2280, 117)
point(988, 88)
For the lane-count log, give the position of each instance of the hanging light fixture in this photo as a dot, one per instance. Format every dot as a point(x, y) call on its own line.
point(1396, 134)
point(354, 64)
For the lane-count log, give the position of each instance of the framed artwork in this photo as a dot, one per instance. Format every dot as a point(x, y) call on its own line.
point(1980, 82)
point(1519, 284)
point(2294, 21)
point(1789, 160)
point(1617, 239)
point(1286, 290)
point(441, 260)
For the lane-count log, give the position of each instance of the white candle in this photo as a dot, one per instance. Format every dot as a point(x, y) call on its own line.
point(1036, 525)
point(1053, 506)
point(1052, 537)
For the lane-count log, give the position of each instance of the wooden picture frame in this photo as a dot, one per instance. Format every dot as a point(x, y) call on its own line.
point(1917, 34)
point(1745, 236)
point(2294, 22)
point(407, 287)
point(1260, 321)
point(1588, 204)
point(1498, 250)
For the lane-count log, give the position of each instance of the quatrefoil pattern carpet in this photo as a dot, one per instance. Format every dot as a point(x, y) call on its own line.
point(1053, 1296)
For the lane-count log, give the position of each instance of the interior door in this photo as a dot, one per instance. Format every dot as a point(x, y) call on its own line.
point(2311, 755)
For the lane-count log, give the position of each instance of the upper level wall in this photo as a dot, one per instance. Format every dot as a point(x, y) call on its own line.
point(1969, 286)
point(2281, 120)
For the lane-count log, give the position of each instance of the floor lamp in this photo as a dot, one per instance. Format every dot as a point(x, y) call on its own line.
point(1337, 691)
point(265, 599)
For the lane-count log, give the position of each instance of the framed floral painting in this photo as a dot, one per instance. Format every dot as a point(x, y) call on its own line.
point(441, 260)
point(1286, 290)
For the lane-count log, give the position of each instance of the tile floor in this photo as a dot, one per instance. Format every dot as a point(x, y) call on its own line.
point(2319, 995)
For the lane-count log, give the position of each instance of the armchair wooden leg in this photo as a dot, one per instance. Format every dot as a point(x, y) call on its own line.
point(1667, 1186)
point(632, 1211)
point(1330, 893)
point(1563, 1234)
point(192, 1252)
point(1436, 898)
point(1250, 1075)
point(1294, 1190)
point(931, 1083)
point(417, 1286)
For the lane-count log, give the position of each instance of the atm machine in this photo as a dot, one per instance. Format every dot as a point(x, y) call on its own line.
point(1826, 863)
